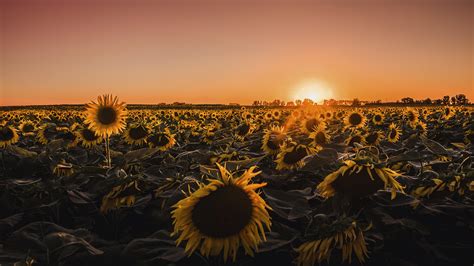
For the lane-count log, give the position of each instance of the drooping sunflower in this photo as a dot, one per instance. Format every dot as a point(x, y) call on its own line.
point(87, 137)
point(136, 134)
point(243, 130)
point(373, 138)
point(27, 128)
point(356, 138)
point(343, 234)
point(411, 116)
point(359, 179)
point(394, 133)
point(162, 140)
point(273, 139)
point(291, 156)
point(222, 216)
point(123, 195)
point(46, 133)
point(107, 116)
point(354, 120)
point(8, 136)
point(420, 128)
point(312, 124)
point(320, 138)
point(448, 112)
point(63, 168)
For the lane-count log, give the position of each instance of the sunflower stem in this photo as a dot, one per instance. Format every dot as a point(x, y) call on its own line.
point(107, 152)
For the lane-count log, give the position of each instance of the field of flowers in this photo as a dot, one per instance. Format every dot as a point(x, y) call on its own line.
point(107, 185)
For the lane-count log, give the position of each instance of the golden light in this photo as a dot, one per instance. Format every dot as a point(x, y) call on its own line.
point(314, 90)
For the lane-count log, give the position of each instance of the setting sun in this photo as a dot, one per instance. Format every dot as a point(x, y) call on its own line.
point(314, 90)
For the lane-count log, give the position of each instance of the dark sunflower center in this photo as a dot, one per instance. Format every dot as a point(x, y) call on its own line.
point(159, 140)
point(355, 119)
point(393, 133)
point(6, 134)
point(107, 115)
point(355, 139)
point(312, 124)
point(358, 184)
point(275, 141)
point(138, 132)
point(223, 213)
point(447, 111)
point(378, 118)
point(295, 155)
point(372, 138)
point(88, 135)
point(28, 128)
point(411, 116)
point(243, 129)
point(320, 138)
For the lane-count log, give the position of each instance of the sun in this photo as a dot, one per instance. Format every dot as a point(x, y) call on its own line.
point(314, 90)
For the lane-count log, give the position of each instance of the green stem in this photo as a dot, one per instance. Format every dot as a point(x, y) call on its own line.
point(107, 152)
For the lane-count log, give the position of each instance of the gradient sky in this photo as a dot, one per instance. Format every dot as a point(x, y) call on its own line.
point(55, 52)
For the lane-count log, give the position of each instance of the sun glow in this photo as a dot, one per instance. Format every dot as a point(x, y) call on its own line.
point(314, 90)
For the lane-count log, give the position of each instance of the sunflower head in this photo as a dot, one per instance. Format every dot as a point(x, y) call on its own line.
point(223, 215)
point(358, 179)
point(163, 140)
point(313, 124)
point(87, 137)
point(136, 134)
point(291, 156)
point(373, 138)
point(394, 133)
point(106, 116)
point(343, 234)
point(320, 138)
point(273, 139)
point(377, 118)
point(355, 119)
point(356, 138)
point(8, 136)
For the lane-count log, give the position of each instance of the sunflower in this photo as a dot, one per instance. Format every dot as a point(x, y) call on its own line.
point(222, 216)
point(276, 114)
point(120, 196)
point(448, 112)
point(373, 138)
point(273, 139)
point(162, 140)
point(291, 156)
point(356, 138)
point(27, 128)
point(63, 169)
point(412, 117)
point(377, 118)
point(342, 234)
point(320, 138)
point(313, 124)
point(46, 133)
point(420, 128)
point(355, 119)
point(8, 136)
point(136, 134)
point(107, 116)
point(243, 130)
point(394, 133)
point(359, 179)
point(87, 137)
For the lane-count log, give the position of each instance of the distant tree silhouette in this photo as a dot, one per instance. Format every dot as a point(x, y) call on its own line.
point(356, 102)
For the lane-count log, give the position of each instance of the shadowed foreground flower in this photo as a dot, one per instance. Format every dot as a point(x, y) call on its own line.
point(394, 133)
point(343, 235)
point(8, 136)
point(359, 179)
point(136, 134)
point(120, 196)
point(222, 216)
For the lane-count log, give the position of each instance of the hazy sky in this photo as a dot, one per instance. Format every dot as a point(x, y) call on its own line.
point(232, 51)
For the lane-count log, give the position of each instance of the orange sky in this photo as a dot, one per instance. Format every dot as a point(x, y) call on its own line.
point(232, 51)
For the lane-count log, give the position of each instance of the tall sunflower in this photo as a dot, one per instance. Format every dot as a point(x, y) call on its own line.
point(358, 179)
point(8, 136)
point(106, 116)
point(222, 216)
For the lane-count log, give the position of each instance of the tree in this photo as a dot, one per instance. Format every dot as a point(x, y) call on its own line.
point(356, 102)
point(427, 101)
point(298, 102)
point(461, 99)
point(407, 100)
point(446, 100)
point(290, 104)
point(308, 102)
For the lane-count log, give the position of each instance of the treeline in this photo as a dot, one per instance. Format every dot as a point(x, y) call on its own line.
point(458, 99)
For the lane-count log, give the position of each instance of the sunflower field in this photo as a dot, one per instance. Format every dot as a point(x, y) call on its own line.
point(107, 184)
